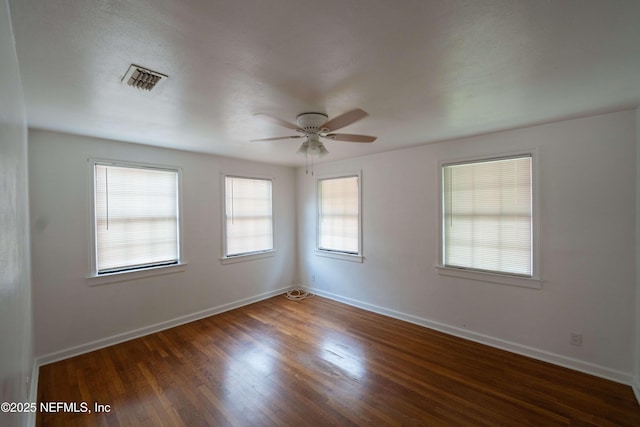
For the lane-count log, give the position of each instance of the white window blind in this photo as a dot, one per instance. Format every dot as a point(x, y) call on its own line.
point(248, 213)
point(487, 216)
point(338, 215)
point(136, 217)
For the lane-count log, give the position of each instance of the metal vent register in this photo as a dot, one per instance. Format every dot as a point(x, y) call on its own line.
point(142, 78)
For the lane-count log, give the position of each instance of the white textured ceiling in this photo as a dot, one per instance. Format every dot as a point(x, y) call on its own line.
point(425, 70)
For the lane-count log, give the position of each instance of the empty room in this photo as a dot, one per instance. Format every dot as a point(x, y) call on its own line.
point(371, 213)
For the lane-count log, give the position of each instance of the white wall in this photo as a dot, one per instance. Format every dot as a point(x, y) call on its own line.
point(16, 359)
point(587, 243)
point(69, 314)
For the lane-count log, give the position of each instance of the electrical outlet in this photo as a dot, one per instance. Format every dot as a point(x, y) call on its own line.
point(313, 278)
point(576, 339)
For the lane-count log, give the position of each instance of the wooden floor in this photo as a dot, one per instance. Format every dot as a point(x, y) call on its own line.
point(319, 362)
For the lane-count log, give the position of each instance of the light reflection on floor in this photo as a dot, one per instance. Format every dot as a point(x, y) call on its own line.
point(255, 359)
point(249, 377)
point(345, 355)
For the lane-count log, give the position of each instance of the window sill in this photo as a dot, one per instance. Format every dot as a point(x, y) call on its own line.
point(247, 257)
point(340, 255)
point(125, 276)
point(481, 276)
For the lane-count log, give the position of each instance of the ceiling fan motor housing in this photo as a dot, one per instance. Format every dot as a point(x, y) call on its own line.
point(311, 121)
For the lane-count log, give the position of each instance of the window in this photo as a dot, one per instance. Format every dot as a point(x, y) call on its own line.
point(248, 216)
point(487, 216)
point(339, 215)
point(136, 217)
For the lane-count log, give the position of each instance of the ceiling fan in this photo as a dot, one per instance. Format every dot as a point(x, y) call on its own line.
point(314, 126)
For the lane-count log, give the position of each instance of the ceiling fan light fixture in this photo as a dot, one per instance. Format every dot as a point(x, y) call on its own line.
point(322, 150)
point(312, 148)
point(302, 151)
point(313, 151)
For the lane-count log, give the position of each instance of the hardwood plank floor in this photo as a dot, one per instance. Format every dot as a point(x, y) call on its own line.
point(318, 362)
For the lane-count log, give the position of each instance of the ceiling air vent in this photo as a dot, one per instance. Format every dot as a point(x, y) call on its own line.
point(142, 78)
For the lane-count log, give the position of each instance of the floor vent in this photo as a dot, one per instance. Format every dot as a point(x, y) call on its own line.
point(142, 78)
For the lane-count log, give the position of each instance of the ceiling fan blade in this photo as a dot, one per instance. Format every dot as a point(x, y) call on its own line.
point(277, 138)
point(345, 119)
point(277, 121)
point(351, 138)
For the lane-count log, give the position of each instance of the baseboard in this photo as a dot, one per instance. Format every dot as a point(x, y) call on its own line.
point(140, 332)
point(556, 359)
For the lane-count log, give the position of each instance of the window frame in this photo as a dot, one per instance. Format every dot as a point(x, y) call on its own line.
point(94, 278)
point(342, 255)
point(248, 256)
point(533, 282)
